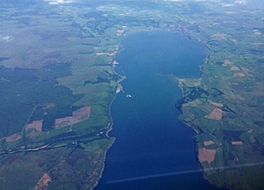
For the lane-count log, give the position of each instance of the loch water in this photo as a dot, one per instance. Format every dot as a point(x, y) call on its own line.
point(153, 149)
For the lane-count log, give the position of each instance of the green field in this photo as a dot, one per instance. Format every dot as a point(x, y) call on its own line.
point(57, 58)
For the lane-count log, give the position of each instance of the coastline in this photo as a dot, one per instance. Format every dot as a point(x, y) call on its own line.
point(206, 60)
point(122, 77)
point(111, 123)
point(103, 167)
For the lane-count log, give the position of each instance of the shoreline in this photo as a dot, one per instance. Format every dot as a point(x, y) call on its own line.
point(103, 167)
point(207, 58)
point(122, 78)
point(111, 123)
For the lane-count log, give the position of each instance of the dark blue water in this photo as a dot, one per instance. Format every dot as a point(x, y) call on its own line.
point(153, 149)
